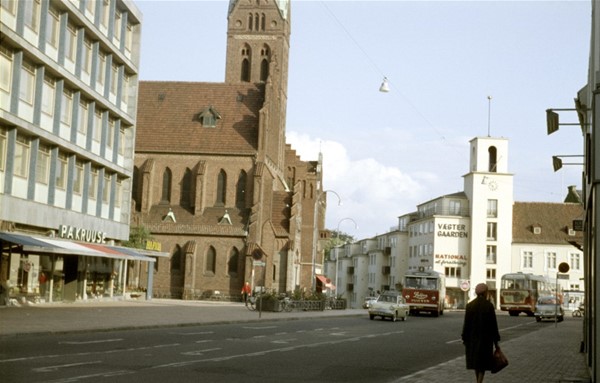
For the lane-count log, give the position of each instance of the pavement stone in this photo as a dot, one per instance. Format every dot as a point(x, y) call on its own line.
point(550, 355)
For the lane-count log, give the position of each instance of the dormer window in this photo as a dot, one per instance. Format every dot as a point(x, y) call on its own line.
point(537, 230)
point(208, 117)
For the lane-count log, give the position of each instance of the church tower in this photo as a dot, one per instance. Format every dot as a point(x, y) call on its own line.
point(489, 188)
point(258, 34)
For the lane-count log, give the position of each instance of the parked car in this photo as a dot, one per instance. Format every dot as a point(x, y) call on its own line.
point(369, 301)
point(390, 304)
point(546, 308)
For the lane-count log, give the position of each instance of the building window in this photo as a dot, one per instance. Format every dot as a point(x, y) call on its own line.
point(6, 60)
point(575, 259)
point(71, 43)
point(186, 189)
point(221, 188)
point(211, 260)
point(101, 70)
point(492, 208)
point(176, 259)
point(42, 165)
point(491, 254)
point(106, 188)
point(114, 79)
point(240, 197)
point(105, 12)
point(117, 31)
point(454, 207)
point(453, 272)
point(78, 178)
point(9, 6)
point(129, 37)
point(110, 137)
point(166, 186)
point(490, 274)
point(66, 107)
point(93, 192)
point(121, 141)
point(2, 148)
point(97, 126)
point(492, 152)
point(125, 89)
point(52, 28)
point(27, 83)
point(21, 167)
point(527, 259)
point(32, 14)
point(48, 96)
point(551, 260)
point(232, 264)
point(491, 231)
point(118, 191)
point(86, 57)
point(82, 117)
point(61, 171)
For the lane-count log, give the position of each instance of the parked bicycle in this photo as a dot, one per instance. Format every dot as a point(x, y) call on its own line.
point(251, 303)
point(285, 304)
point(579, 311)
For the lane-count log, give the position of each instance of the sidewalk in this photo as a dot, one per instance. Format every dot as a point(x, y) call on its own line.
point(545, 356)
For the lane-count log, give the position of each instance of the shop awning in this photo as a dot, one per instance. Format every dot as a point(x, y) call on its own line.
point(46, 245)
point(326, 282)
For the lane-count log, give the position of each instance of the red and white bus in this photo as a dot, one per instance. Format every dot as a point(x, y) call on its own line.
point(520, 291)
point(425, 291)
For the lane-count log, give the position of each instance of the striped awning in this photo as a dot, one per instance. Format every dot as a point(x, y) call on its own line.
point(46, 245)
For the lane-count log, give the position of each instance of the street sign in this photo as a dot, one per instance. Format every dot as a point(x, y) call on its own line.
point(258, 263)
point(563, 276)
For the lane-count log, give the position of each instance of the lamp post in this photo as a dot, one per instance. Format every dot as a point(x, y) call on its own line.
point(316, 233)
point(338, 234)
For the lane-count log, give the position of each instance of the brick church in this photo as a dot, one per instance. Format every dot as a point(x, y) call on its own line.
point(215, 182)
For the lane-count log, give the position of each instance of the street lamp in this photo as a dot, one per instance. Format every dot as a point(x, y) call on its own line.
point(316, 232)
point(557, 162)
point(338, 234)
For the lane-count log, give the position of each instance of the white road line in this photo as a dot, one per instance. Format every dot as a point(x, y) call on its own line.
point(200, 352)
point(204, 341)
point(259, 327)
point(55, 368)
point(193, 333)
point(92, 341)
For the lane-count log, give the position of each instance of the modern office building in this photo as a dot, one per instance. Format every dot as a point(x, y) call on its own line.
point(473, 236)
point(68, 98)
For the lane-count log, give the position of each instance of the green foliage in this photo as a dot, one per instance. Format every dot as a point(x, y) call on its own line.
point(138, 235)
point(338, 238)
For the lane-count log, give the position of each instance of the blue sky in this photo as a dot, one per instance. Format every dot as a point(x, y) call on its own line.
point(442, 58)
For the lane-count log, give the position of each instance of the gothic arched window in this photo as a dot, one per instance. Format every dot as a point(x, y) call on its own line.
point(232, 263)
point(221, 188)
point(186, 189)
point(240, 193)
point(166, 186)
point(211, 260)
point(176, 259)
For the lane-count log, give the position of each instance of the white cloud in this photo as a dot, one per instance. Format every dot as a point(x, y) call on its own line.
point(372, 194)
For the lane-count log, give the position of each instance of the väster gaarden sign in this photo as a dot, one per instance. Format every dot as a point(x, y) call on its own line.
point(79, 234)
point(452, 230)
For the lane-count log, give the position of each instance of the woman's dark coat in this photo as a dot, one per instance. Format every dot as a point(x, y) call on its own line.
point(480, 332)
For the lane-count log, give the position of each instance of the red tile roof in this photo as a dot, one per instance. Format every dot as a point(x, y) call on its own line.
point(167, 111)
point(553, 219)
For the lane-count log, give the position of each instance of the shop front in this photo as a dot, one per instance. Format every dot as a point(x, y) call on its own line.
point(43, 269)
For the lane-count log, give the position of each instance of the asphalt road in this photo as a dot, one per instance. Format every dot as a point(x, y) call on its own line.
point(353, 349)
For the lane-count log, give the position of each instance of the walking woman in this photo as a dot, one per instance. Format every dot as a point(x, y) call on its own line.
point(480, 333)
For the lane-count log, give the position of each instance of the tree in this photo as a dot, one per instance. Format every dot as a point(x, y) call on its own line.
point(337, 238)
point(138, 235)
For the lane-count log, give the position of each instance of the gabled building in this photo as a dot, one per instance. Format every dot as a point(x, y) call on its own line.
point(215, 182)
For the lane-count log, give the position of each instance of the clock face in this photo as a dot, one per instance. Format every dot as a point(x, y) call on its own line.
point(493, 185)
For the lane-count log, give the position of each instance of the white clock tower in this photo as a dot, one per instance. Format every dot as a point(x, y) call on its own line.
point(489, 188)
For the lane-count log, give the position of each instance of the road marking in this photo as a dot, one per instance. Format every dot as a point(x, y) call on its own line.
point(108, 374)
point(193, 333)
point(55, 368)
point(259, 327)
point(92, 341)
point(199, 352)
point(284, 341)
point(204, 341)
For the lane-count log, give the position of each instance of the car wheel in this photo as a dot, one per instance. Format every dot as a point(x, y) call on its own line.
point(513, 313)
point(394, 317)
point(561, 318)
point(371, 316)
point(538, 319)
point(405, 317)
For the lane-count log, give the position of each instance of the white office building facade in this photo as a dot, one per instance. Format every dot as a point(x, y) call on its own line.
point(68, 98)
